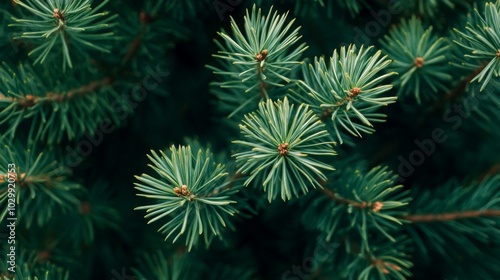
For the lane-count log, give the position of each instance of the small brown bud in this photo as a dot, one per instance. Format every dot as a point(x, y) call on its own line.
point(43, 256)
point(354, 92)
point(29, 101)
point(177, 191)
point(184, 189)
point(283, 149)
point(58, 14)
point(498, 54)
point(377, 206)
point(419, 62)
point(85, 208)
point(146, 18)
point(262, 55)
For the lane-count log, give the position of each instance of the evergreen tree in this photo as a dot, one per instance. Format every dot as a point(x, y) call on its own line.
point(200, 139)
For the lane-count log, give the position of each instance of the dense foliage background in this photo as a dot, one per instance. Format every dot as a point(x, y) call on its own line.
point(80, 112)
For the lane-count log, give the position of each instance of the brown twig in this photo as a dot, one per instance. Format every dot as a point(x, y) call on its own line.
point(30, 100)
point(455, 92)
point(375, 206)
point(444, 217)
point(452, 95)
point(327, 113)
point(495, 169)
point(263, 86)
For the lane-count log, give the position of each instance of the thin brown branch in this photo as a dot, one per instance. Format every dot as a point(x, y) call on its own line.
point(495, 169)
point(237, 176)
point(30, 100)
point(452, 95)
point(456, 92)
point(327, 113)
point(341, 200)
point(134, 47)
point(263, 86)
point(444, 217)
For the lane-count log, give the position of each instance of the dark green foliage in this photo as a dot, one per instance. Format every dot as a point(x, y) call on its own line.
point(95, 211)
point(482, 41)
point(29, 269)
point(158, 266)
point(305, 8)
point(477, 199)
point(41, 182)
point(429, 8)
point(339, 185)
point(57, 108)
point(420, 57)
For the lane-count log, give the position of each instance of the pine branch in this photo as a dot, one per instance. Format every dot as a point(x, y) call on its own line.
point(63, 23)
point(28, 95)
point(494, 170)
point(381, 260)
point(348, 91)
point(162, 266)
point(256, 64)
point(283, 149)
point(469, 211)
point(192, 192)
point(444, 217)
point(375, 206)
point(134, 47)
point(96, 211)
point(29, 100)
point(36, 174)
point(419, 57)
point(481, 38)
point(27, 268)
point(360, 199)
point(454, 93)
point(54, 112)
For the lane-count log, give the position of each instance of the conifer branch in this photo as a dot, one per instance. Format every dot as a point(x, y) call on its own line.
point(419, 57)
point(191, 191)
point(65, 23)
point(37, 174)
point(255, 59)
point(283, 149)
point(481, 39)
point(134, 46)
point(30, 100)
point(347, 91)
point(445, 217)
point(376, 206)
point(359, 198)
